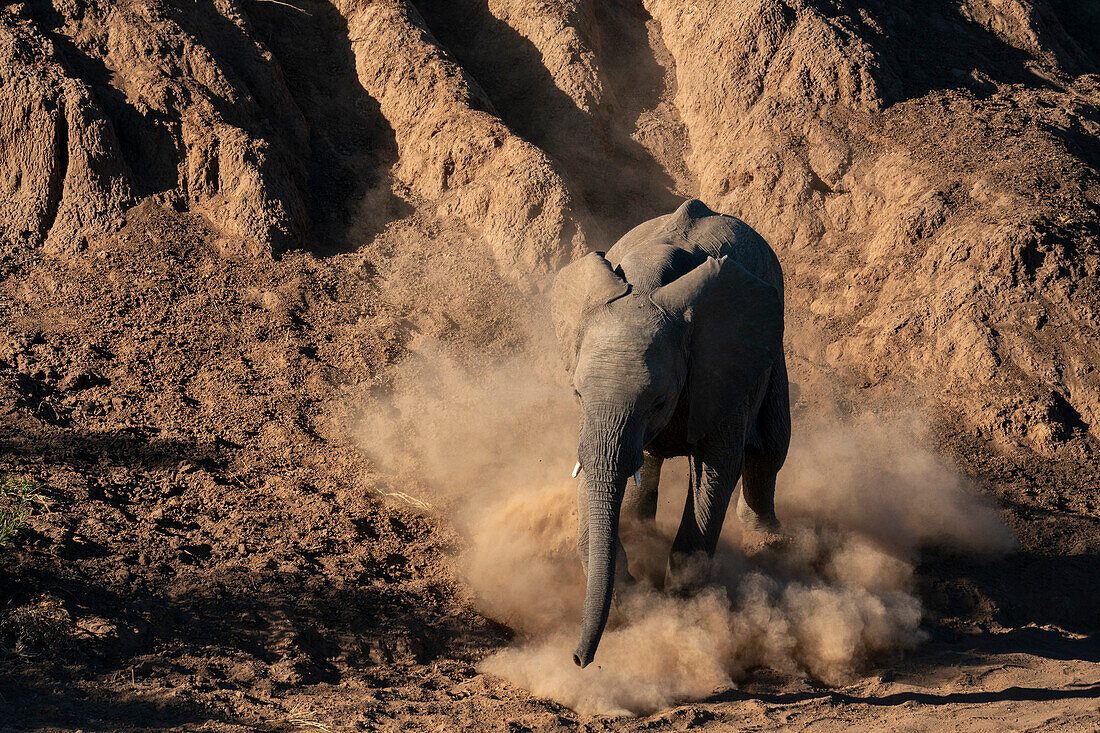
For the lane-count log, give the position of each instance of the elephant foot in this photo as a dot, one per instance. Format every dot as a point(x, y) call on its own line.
point(625, 587)
point(624, 580)
point(764, 540)
point(760, 533)
point(686, 573)
point(763, 543)
point(753, 522)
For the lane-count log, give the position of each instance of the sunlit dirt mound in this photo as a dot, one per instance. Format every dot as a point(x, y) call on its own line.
point(927, 173)
point(223, 222)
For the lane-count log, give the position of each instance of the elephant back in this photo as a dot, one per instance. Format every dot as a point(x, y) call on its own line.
point(661, 249)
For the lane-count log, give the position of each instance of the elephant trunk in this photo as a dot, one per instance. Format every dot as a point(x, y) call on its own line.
point(604, 501)
point(611, 454)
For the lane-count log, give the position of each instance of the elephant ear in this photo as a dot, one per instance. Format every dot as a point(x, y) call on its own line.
point(736, 334)
point(578, 288)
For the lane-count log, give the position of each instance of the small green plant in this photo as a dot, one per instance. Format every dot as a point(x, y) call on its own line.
point(17, 497)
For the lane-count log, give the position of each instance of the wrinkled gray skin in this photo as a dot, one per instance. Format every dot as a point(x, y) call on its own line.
point(673, 342)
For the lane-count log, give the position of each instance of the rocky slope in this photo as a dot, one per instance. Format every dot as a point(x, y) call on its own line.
point(927, 174)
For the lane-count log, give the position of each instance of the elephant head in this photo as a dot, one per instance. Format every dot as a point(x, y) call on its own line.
point(704, 338)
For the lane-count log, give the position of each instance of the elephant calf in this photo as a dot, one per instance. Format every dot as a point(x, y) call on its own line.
point(674, 344)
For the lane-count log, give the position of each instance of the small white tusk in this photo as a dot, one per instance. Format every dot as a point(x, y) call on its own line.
point(576, 469)
point(638, 477)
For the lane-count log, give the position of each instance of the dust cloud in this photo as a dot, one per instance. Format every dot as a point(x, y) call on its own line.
point(489, 446)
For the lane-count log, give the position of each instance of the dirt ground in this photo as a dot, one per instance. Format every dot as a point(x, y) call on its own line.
point(227, 226)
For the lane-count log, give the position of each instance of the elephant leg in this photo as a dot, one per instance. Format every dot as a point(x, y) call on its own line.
point(622, 570)
point(765, 454)
point(714, 471)
point(642, 502)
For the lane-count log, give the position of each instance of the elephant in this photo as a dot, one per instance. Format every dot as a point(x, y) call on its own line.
point(673, 342)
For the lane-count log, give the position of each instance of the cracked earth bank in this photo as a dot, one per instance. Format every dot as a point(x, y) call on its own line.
point(230, 231)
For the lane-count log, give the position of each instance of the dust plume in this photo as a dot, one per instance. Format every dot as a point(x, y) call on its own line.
point(490, 446)
point(873, 476)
